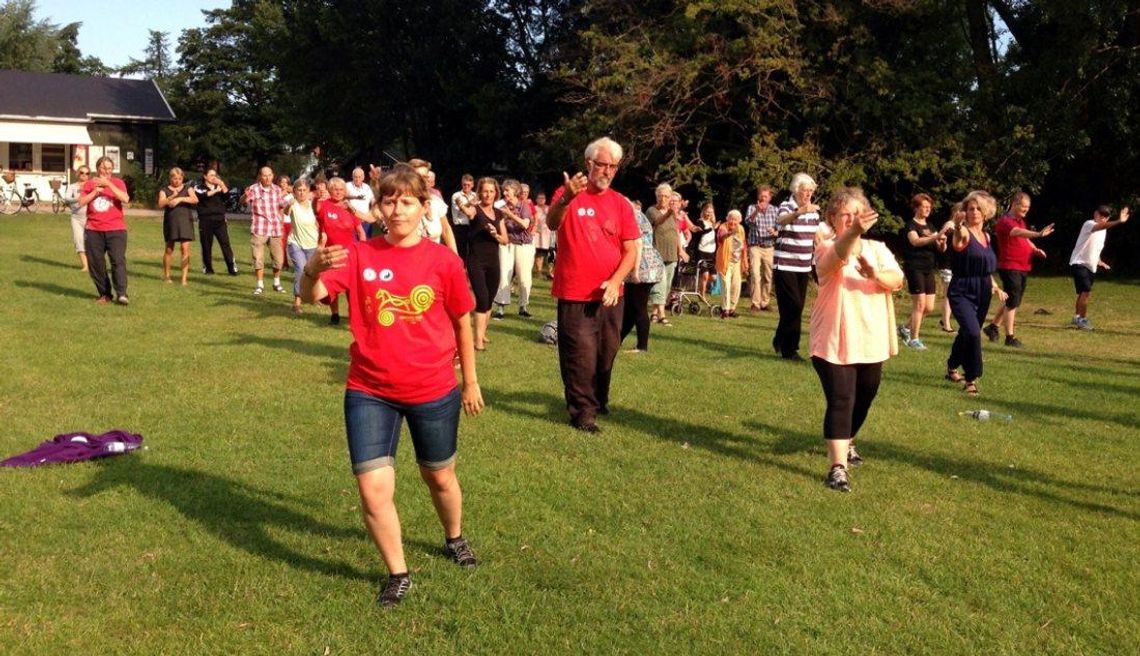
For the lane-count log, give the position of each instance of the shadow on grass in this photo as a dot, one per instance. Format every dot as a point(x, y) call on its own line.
point(56, 290)
point(714, 440)
point(335, 357)
point(55, 263)
point(997, 477)
point(236, 513)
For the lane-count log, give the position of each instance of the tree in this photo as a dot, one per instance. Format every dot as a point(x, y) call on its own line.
point(68, 58)
point(155, 64)
point(26, 44)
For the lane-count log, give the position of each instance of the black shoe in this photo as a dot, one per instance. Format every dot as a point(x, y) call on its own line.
point(460, 551)
point(794, 357)
point(853, 457)
point(394, 590)
point(524, 313)
point(837, 479)
point(334, 320)
point(498, 315)
point(1013, 342)
point(991, 332)
point(590, 427)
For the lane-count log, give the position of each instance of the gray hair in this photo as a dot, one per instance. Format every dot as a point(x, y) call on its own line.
point(336, 181)
point(663, 189)
point(732, 213)
point(801, 179)
point(511, 184)
point(610, 145)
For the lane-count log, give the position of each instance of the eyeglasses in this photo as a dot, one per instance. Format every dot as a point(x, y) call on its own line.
point(85, 173)
point(603, 165)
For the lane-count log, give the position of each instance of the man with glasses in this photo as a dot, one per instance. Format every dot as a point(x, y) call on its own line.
point(597, 247)
point(78, 215)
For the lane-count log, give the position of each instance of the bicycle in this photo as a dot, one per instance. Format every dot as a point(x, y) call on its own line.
point(11, 201)
point(58, 202)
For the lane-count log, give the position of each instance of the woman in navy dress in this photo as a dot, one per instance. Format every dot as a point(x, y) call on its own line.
point(973, 262)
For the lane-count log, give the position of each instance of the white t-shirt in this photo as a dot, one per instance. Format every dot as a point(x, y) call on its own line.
point(361, 205)
point(432, 224)
point(1090, 243)
point(457, 215)
point(708, 241)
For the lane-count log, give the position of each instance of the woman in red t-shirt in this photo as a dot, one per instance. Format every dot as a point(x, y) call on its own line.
point(106, 231)
point(411, 312)
point(340, 225)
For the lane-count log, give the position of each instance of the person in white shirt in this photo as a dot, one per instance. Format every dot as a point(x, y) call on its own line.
point(1085, 260)
point(360, 197)
point(462, 209)
point(434, 225)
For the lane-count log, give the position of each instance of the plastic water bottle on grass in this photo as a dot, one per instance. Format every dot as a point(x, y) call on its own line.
point(985, 415)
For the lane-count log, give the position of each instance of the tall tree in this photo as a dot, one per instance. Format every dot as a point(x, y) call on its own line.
point(155, 64)
point(26, 44)
point(68, 58)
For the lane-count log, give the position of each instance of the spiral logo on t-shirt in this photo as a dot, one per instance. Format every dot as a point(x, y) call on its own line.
point(386, 275)
point(369, 275)
point(590, 211)
point(101, 204)
point(411, 307)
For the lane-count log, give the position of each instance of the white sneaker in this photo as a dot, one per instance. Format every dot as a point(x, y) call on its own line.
point(1084, 324)
point(916, 344)
point(1076, 321)
point(904, 333)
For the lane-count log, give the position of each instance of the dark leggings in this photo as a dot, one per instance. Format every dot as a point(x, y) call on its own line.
point(849, 390)
point(483, 272)
point(209, 229)
point(637, 312)
point(970, 303)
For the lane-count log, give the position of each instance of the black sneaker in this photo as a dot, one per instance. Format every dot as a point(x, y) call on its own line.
point(853, 457)
point(394, 590)
point(837, 479)
point(523, 313)
point(1013, 342)
point(459, 551)
point(590, 427)
point(498, 315)
point(991, 332)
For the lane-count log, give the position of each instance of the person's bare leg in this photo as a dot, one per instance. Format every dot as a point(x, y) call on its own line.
point(1082, 306)
point(837, 451)
point(167, 257)
point(185, 262)
point(82, 261)
point(447, 497)
point(377, 503)
point(1010, 318)
point(481, 329)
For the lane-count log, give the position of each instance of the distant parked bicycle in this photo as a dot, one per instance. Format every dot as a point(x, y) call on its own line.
point(58, 202)
point(11, 201)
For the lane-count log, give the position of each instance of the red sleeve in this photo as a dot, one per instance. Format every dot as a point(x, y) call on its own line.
point(338, 280)
point(458, 300)
point(1004, 225)
point(87, 187)
point(557, 195)
point(628, 227)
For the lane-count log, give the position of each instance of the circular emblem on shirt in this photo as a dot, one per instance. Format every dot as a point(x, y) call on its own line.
point(101, 204)
point(590, 212)
point(386, 275)
point(581, 211)
point(369, 275)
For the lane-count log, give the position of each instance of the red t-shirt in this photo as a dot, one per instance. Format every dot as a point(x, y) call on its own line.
point(1014, 253)
point(105, 211)
point(403, 301)
point(590, 243)
point(338, 222)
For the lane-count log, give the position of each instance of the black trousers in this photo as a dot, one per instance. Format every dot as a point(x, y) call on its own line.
point(462, 239)
point(210, 228)
point(791, 293)
point(588, 341)
point(483, 273)
point(636, 312)
point(99, 245)
point(849, 390)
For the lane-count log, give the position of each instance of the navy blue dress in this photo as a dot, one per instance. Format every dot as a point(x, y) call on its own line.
point(969, 295)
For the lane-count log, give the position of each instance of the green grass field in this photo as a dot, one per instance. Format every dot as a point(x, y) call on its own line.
point(696, 523)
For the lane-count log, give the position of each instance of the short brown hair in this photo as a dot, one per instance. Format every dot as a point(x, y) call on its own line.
point(491, 181)
point(400, 180)
point(918, 199)
point(416, 163)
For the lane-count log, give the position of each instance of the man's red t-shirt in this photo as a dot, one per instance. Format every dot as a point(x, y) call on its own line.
point(1014, 253)
point(338, 222)
point(590, 243)
point(403, 301)
point(105, 211)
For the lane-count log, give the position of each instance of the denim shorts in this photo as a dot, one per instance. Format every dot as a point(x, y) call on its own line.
point(373, 428)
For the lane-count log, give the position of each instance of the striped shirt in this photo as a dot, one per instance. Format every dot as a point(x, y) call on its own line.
point(796, 241)
point(265, 205)
point(758, 225)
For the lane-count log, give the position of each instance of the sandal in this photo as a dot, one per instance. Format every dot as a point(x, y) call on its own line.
point(664, 322)
point(953, 376)
point(970, 388)
point(946, 329)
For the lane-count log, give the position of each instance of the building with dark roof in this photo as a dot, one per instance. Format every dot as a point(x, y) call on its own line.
point(52, 123)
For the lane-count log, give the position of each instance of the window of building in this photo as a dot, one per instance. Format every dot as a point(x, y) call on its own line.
point(53, 158)
point(20, 156)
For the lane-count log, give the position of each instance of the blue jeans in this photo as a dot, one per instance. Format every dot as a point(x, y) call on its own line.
point(299, 257)
point(373, 425)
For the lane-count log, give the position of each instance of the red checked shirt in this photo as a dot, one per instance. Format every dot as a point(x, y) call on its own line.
point(403, 303)
point(265, 205)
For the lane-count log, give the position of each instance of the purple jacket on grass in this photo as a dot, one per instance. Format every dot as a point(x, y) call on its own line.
point(76, 447)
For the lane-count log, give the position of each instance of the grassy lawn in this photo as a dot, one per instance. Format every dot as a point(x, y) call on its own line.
point(696, 523)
